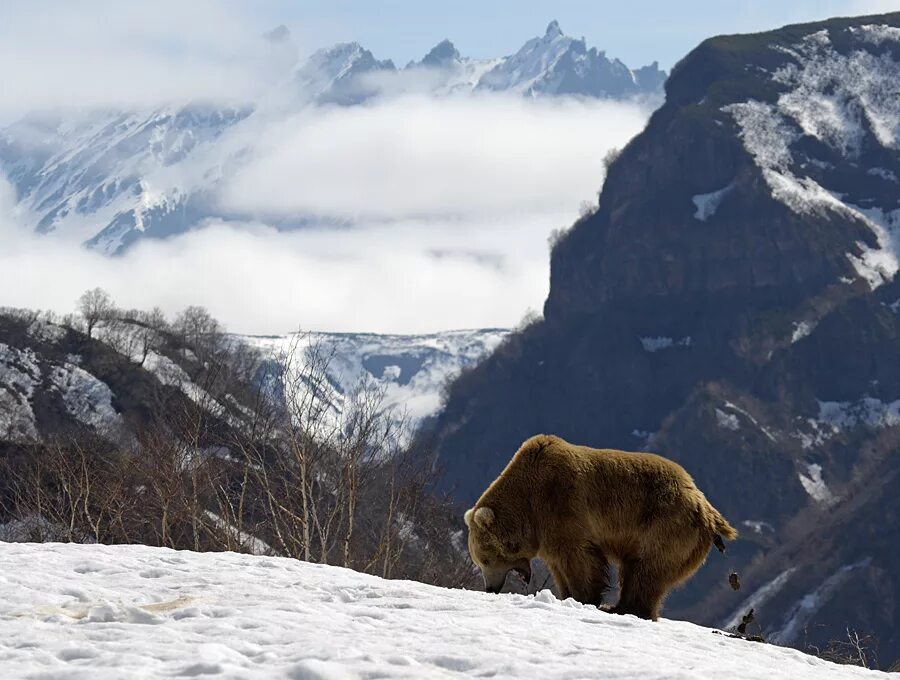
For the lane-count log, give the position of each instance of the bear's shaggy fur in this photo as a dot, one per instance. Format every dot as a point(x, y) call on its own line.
point(579, 509)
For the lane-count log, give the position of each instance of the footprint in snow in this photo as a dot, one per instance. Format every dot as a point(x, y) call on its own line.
point(76, 654)
point(153, 573)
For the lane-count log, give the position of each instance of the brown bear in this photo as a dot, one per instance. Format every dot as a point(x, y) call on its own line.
point(579, 509)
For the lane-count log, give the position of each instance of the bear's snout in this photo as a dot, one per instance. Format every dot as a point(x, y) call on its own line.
point(494, 579)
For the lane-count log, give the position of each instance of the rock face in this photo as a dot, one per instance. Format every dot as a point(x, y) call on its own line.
point(732, 305)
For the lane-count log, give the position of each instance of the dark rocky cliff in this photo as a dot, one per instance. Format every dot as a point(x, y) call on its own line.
point(731, 304)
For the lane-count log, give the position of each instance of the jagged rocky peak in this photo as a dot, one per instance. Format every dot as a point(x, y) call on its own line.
point(557, 64)
point(337, 75)
point(553, 31)
point(650, 78)
point(442, 54)
point(348, 55)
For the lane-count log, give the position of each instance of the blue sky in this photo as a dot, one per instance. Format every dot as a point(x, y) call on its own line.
point(636, 31)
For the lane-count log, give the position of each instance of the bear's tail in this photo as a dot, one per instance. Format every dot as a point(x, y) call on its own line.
point(722, 529)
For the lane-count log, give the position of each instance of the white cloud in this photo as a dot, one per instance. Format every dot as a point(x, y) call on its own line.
point(415, 156)
point(96, 53)
point(401, 277)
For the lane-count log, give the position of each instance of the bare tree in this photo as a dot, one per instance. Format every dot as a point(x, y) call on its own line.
point(198, 331)
point(95, 307)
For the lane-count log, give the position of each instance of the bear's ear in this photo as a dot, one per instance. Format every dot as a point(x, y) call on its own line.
point(484, 517)
point(467, 518)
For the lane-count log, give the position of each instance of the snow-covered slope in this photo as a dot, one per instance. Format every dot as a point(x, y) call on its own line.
point(56, 381)
point(110, 178)
point(37, 386)
point(411, 369)
point(98, 612)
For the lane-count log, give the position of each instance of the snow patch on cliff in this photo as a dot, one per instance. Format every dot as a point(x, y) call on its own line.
point(86, 398)
point(708, 204)
point(801, 330)
point(658, 343)
point(727, 421)
point(815, 486)
point(845, 415)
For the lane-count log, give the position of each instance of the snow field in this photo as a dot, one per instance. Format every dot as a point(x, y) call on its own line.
point(104, 612)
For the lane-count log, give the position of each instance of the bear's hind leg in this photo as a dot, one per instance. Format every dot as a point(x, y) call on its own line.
point(643, 590)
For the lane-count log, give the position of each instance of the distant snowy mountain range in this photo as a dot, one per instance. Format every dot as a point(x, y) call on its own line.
point(550, 65)
point(410, 370)
point(110, 178)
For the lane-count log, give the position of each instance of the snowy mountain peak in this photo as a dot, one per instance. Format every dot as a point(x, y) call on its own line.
point(553, 31)
point(345, 56)
point(557, 64)
point(441, 54)
point(331, 75)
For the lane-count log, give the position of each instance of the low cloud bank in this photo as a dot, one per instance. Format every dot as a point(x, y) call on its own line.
point(449, 204)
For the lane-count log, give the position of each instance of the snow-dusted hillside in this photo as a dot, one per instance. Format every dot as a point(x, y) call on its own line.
point(79, 611)
point(34, 381)
point(412, 369)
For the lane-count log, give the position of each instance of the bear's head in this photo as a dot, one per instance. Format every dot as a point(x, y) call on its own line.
point(498, 545)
